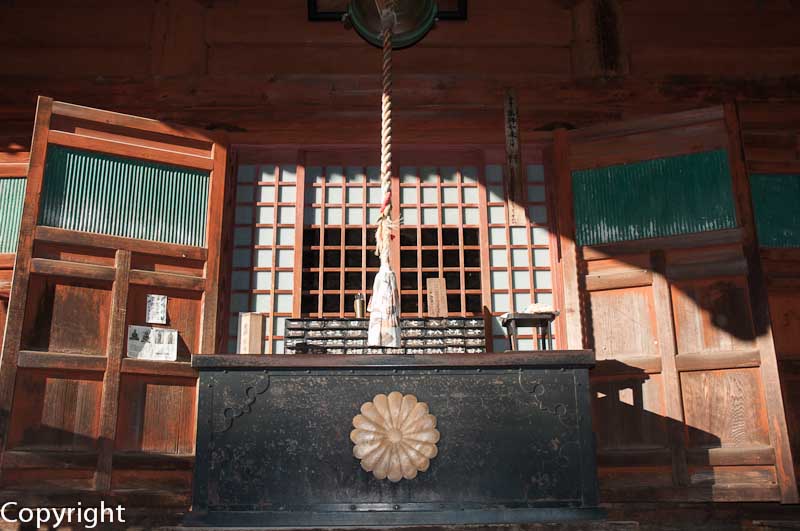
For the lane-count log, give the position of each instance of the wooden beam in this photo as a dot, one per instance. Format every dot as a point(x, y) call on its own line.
point(684, 241)
point(783, 166)
point(17, 169)
point(648, 124)
point(161, 279)
point(19, 290)
point(152, 461)
point(125, 149)
point(733, 456)
point(568, 258)
point(627, 365)
point(115, 348)
point(667, 349)
point(128, 121)
point(33, 359)
point(729, 268)
point(59, 460)
point(626, 279)
point(759, 301)
point(182, 369)
point(105, 241)
point(62, 268)
point(714, 360)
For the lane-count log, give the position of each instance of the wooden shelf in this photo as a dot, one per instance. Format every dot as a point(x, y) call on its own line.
point(35, 359)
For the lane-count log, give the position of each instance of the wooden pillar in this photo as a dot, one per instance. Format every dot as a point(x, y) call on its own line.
point(571, 313)
point(19, 284)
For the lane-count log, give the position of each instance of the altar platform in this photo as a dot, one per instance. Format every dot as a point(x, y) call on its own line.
point(274, 448)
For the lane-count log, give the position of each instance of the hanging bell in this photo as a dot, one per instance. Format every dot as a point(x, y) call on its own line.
point(413, 19)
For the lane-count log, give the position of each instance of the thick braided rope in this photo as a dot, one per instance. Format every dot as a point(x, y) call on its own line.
point(383, 232)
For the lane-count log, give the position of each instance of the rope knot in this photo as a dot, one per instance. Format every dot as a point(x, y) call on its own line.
point(388, 19)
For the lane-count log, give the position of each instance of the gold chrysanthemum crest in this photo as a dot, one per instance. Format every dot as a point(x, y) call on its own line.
point(395, 436)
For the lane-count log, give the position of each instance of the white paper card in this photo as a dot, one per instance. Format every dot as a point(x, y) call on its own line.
point(156, 309)
point(148, 343)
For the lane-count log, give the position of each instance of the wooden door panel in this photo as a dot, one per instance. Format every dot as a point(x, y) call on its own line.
point(712, 315)
point(61, 410)
point(158, 415)
point(726, 408)
point(622, 323)
point(660, 280)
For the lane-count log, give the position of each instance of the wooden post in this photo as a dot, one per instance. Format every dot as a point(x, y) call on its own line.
point(214, 244)
point(566, 233)
point(115, 347)
point(673, 397)
point(19, 284)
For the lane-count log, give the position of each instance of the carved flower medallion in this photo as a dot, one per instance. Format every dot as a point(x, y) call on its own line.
point(395, 436)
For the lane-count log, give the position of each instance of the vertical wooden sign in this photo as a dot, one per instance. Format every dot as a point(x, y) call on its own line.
point(251, 333)
point(515, 181)
point(437, 297)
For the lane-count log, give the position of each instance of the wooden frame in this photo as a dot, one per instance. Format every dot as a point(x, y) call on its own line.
point(12, 165)
point(117, 266)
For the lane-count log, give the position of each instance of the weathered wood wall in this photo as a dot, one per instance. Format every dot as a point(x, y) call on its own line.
point(263, 72)
point(266, 75)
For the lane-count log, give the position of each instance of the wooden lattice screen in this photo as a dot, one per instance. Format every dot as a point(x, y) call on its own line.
point(107, 197)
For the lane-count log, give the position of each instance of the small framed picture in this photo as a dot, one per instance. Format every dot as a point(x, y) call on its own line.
point(156, 309)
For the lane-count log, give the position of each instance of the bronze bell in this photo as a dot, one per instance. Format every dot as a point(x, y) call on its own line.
point(413, 19)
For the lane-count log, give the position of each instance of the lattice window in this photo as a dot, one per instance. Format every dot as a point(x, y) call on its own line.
point(519, 256)
point(454, 225)
point(263, 254)
point(440, 237)
point(338, 258)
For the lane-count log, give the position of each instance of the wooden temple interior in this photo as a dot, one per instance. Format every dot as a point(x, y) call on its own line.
point(225, 153)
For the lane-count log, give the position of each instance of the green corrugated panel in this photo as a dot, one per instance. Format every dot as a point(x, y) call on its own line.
point(106, 194)
point(653, 198)
point(12, 197)
point(776, 201)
